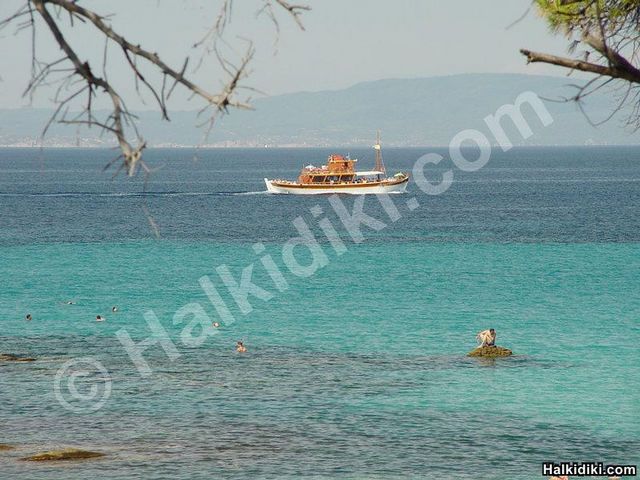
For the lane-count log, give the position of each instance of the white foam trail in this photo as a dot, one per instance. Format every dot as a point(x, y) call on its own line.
point(261, 192)
point(131, 194)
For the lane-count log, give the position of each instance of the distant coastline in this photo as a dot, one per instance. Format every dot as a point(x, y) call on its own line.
point(223, 145)
point(410, 112)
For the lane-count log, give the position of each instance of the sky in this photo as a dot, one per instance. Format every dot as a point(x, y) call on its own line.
point(344, 43)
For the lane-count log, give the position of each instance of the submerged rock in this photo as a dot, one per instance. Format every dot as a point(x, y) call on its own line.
point(491, 352)
point(6, 447)
point(67, 454)
point(10, 357)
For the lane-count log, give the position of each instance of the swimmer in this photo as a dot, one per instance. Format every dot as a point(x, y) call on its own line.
point(66, 303)
point(487, 338)
point(100, 319)
point(492, 340)
point(241, 348)
point(216, 324)
point(114, 309)
point(28, 317)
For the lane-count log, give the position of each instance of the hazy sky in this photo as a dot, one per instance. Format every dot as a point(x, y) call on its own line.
point(345, 42)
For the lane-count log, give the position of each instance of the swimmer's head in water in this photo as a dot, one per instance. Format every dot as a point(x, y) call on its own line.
point(114, 309)
point(98, 317)
point(29, 316)
point(216, 324)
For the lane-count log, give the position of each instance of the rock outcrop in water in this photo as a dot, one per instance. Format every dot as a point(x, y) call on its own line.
point(490, 352)
point(67, 454)
point(10, 357)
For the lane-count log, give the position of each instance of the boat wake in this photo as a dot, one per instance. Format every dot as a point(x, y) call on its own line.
point(261, 192)
point(130, 194)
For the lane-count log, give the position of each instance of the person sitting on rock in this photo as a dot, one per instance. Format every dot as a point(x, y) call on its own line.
point(487, 338)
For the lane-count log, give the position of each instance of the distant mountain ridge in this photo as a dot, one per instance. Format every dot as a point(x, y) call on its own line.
point(409, 112)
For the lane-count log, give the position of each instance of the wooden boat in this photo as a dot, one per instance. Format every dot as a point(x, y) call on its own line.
point(339, 176)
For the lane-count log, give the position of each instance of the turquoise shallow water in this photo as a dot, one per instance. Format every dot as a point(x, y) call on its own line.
point(357, 371)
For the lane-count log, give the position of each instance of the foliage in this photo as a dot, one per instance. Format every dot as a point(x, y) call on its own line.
point(608, 34)
point(580, 16)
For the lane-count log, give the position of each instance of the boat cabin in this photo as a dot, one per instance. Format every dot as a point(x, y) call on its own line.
point(339, 169)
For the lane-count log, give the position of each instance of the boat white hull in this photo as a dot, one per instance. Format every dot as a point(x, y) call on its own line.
point(296, 189)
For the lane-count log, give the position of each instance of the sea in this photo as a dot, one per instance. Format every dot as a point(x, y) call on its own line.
point(357, 313)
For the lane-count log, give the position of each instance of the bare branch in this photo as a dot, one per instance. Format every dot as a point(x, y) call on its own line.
point(294, 10)
point(22, 11)
point(72, 76)
point(519, 19)
point(583, 66)
point(137, 50)
point(610, 31)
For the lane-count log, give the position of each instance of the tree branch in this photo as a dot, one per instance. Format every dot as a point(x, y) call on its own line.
point(294, 10)
point(138, 51)
point(611, 71)
point(72, 76)
point(131, 155)
point(616, 60)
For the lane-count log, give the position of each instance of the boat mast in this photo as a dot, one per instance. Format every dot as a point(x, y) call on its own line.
point(379, 162)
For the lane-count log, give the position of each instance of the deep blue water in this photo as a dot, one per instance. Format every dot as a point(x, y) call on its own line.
point(539, 195)
point(357, 370)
